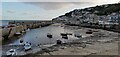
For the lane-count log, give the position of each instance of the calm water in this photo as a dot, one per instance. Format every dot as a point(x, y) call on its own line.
point(4, 22)
point(39, 35)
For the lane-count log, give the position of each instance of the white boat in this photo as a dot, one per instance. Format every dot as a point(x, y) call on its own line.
point(11, 52)
point(77, 34)
point(63, 34)
point(21, 42)
point(27, 46)
point(17, 33)
point(28, 29)
point(23, 31)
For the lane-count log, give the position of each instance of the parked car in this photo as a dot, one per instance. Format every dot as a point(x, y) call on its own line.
point(11, 52)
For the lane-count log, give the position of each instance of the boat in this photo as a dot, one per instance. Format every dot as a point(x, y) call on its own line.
point(65, 37)
point(23, 31)
point(63, 34)
point(27, 46)
point(49, 35)
point(77, 35)
point(59, 42)
point(11, 52)
point(28, 29)
point(89, 31)
point(69, 33)
point(17, 33)
point(21, 42)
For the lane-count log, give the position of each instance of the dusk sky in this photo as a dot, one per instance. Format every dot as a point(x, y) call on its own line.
point(44, 9)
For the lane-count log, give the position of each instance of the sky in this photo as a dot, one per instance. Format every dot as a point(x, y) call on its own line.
point(43, 9)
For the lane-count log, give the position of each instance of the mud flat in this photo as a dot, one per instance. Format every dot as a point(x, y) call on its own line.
point(100, 43)
point(96, 49)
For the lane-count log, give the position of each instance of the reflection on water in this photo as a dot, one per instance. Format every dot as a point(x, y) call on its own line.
point(39, 35)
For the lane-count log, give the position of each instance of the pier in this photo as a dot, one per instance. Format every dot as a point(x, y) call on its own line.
point(21, 26)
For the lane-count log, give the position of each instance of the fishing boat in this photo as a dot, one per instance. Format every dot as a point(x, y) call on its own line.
point(27, 46)
point(59, 42)
point(49, 35)
point(89, 31)
point(63, 34)
point(65, 37)
point(28, 29)
point(69, 33)
point(23, 31)
point(77, 35)
point(17, 34)
point(11, 52)
point(21, 42)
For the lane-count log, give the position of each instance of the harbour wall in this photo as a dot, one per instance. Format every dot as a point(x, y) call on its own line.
point(10, 31)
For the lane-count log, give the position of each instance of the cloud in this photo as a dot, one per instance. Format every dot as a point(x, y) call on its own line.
point(26, 13)
point(45, 0)
point(55, 5)
point(10, 11)
point(58, 0)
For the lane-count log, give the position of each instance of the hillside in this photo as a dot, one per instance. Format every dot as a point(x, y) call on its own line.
point(98, 10)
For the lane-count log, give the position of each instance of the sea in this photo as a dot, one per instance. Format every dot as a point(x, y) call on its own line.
point(4, 22)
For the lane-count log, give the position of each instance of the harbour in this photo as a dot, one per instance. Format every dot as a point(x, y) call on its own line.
point(83, 28)
point(38, 38)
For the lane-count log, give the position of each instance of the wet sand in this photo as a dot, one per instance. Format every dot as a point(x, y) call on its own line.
point(99, 43)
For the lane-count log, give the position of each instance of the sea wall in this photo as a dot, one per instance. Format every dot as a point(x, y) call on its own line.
point(16, 29)
point(9, 32)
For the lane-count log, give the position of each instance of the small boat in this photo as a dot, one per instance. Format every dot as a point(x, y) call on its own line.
point(65, 37)
point(23, 31)
point(21, 42)
point(89, 32)
point(59, 42)
point(78, 35)
point(69, 33)
point(49, 35)
point(63, 34)
point(11, 52)
point(17, 33)
point(28, 29)
point(27, 46)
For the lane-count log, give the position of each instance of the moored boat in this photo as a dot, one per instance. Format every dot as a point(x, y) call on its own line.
point(17, 34)
point(49, 35)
